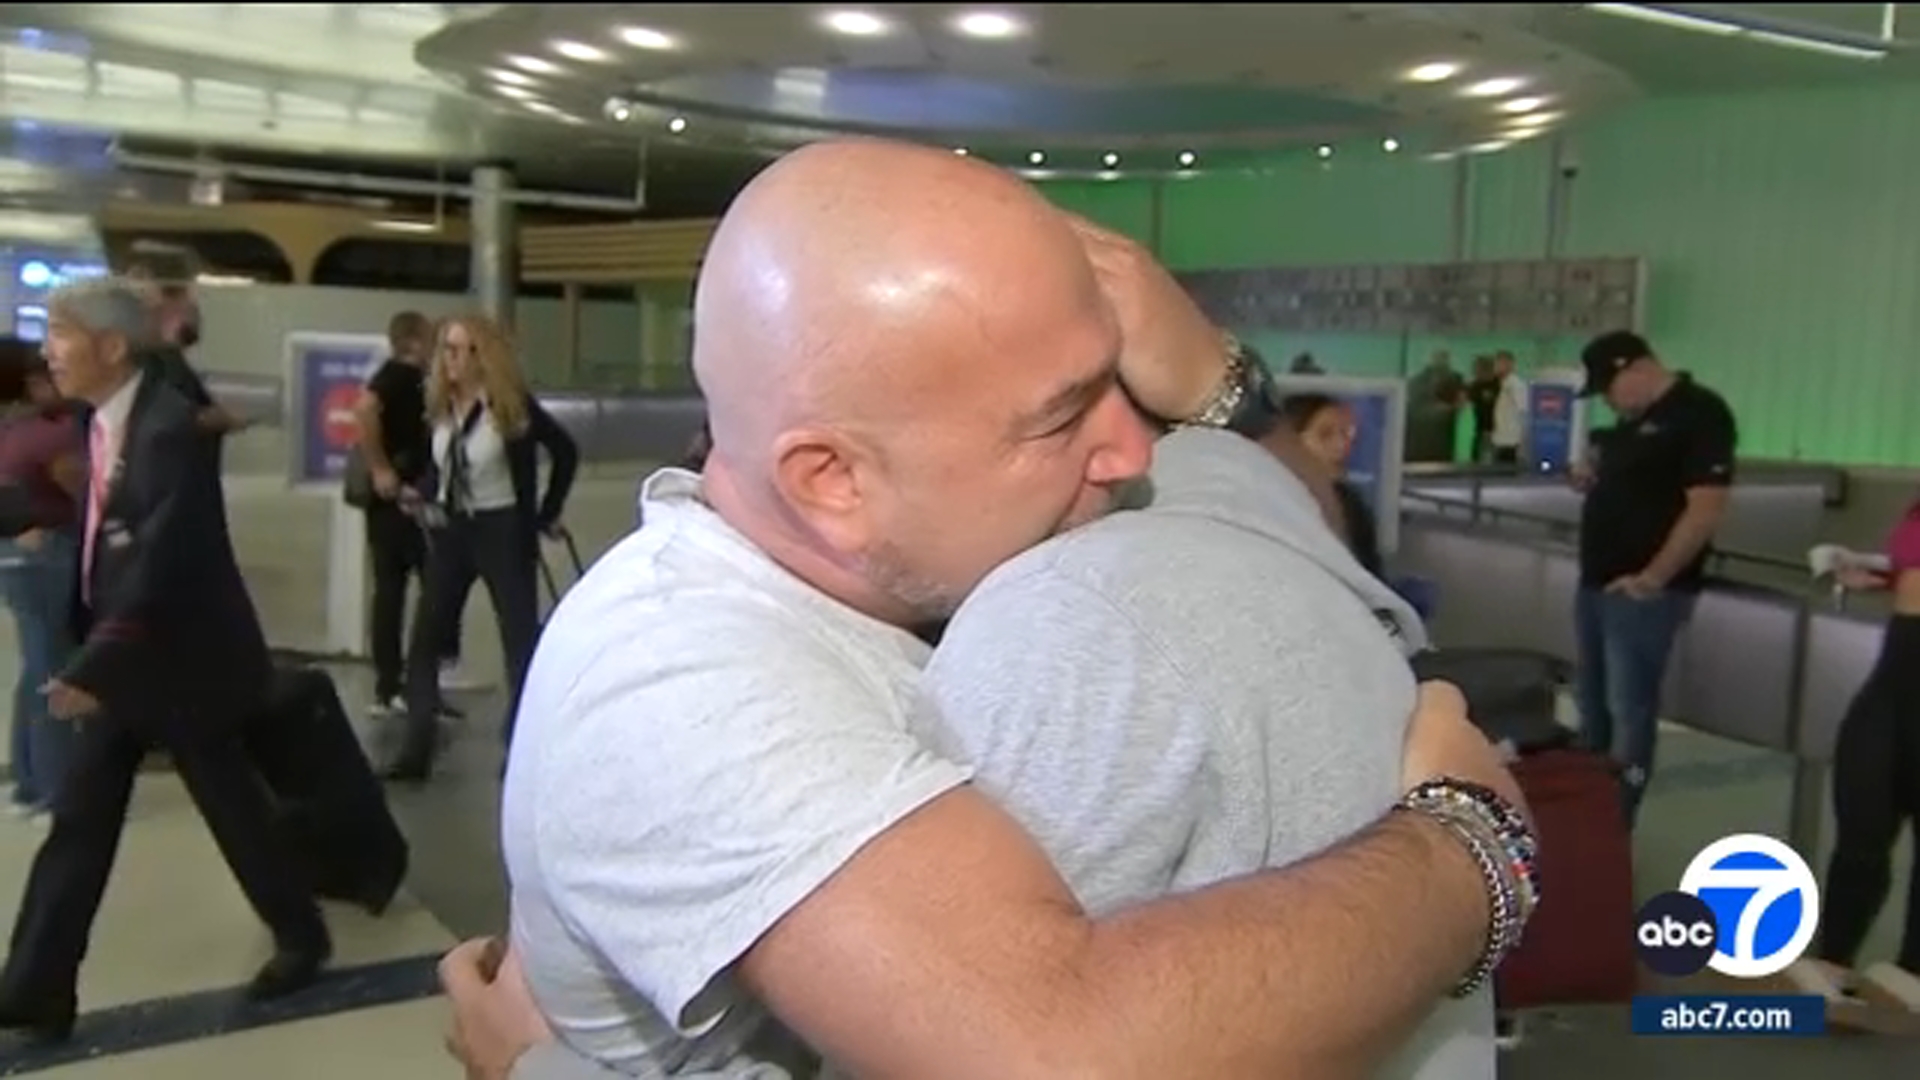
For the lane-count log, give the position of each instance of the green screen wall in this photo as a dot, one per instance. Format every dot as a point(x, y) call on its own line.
point(1782, 233)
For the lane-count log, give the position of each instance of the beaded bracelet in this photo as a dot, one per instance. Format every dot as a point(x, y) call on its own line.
point(1504, 848)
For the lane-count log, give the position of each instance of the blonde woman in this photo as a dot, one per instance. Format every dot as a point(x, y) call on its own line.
point(484, 514)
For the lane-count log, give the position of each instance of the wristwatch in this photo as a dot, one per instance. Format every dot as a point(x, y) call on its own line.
point(1246, 401)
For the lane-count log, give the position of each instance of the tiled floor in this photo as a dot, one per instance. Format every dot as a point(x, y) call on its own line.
point(176, 925)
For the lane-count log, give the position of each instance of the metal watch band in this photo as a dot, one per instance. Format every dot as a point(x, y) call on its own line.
point(1243, 402)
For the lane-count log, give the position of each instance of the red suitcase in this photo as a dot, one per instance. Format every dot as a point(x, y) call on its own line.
point(1579, 946)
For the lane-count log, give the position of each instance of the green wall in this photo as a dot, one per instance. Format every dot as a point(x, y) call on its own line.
point(1782, 232)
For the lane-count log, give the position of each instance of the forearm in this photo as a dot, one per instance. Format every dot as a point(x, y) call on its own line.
point(1319, 970)
point(373, 446)
point(1685, 541)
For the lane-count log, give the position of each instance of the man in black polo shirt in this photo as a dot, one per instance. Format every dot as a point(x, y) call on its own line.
point(1656, 489)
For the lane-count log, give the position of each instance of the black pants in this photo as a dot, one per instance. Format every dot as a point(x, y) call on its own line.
point(497, 547)
point(1876, 793)
point(70, 871)
point(399, 552)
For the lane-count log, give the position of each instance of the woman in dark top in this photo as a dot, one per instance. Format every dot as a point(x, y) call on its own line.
point(1325, 425)
point(43, 457)
point(485, 513)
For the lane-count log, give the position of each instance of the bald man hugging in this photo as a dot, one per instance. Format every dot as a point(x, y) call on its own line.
point(740, 789)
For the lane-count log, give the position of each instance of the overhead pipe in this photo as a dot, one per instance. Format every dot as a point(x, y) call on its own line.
point(362, 183)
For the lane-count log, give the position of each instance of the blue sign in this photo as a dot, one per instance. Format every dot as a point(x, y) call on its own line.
point(1368, 456)
point(330, 373)
point(1550, 426)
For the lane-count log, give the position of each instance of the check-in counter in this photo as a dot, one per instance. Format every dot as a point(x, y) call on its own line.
point(1765, 667)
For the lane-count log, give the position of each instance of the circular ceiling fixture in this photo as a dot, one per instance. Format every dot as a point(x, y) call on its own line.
point(534, 64)
point(1495, 87)
point(988, 24)
point(580, 50)
point(645, 37)
point(855, 23)
point(1437, 71)
point(677, 125)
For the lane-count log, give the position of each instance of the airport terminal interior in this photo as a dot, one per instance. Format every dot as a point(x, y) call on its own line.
point(1363, 192)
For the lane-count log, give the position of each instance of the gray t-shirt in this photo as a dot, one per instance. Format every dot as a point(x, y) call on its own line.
point(1165, 698)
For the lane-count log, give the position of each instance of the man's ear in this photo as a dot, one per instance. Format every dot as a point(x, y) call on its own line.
point(822, 475)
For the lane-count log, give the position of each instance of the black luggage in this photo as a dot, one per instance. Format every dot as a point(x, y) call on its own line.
point(332, 808)
point(1512, 694)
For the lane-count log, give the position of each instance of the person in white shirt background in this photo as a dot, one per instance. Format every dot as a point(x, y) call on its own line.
point(1509, 411)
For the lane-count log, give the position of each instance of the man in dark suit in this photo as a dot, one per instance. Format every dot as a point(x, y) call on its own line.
point(173, 656)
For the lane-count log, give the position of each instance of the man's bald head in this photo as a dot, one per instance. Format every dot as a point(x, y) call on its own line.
point(837, 273)
point(882, 331)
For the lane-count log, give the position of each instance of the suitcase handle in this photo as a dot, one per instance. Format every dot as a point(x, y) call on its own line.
point(565, 536)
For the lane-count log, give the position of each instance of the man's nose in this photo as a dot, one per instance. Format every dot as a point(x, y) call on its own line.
point(1125, 449)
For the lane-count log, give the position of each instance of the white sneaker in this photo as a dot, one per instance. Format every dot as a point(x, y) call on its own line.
point(1818, 978)
point(393, 706)
point(454, 678)
point(1508, 1031)
point(1893, 986)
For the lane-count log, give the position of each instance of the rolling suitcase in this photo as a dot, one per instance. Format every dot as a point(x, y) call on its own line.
point(1578, 948)
point(1512, 694)
point(332, 808)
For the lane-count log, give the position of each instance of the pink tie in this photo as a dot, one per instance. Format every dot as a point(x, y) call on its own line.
point(99, 475)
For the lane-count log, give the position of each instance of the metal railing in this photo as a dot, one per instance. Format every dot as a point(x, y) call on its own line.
point(1556, 536)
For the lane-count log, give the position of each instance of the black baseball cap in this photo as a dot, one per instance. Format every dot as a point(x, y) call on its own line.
point(1607, 355)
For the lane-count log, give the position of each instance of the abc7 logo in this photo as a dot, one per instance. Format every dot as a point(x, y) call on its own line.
point(1747, 907)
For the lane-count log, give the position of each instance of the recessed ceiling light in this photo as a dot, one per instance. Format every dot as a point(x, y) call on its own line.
point(1522, 104)
point(1186, 159)
point(1489, 147)
point(578, 50)
point(542, 107)
point(511, 78)
point(1438, 71)
point(1390, 145)
point(1539, 119)
point(1324, 151)
point(1495, 87)
point(1037, 158)
point(677, 125)
point(534, 64)
point(618, 110)
point(961, 150)
point(987, 24)
point(1110, 160)
point(641, 37)
point(856, 23)
point(520, 93)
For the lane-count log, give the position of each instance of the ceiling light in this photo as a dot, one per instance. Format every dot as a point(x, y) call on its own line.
point(1703, 24)
point(1037, 158)
point(641, 37)
point(1324, 151)
point(987, 24)
point(576, 50)
point(1522, 104)
point(961, 150)
point(618, 110)
point(1110, 160)
point(1390, 145)
point(677, 125)
point(1495, 87)
point(1830, 48)
point(511, 78)
point(1186, 159)
point(1539, 119)
point(856, 23)
point(519, 93)
point(534, 64)
point(1665, 18)
point(1438, 71)
point(1489, 147)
